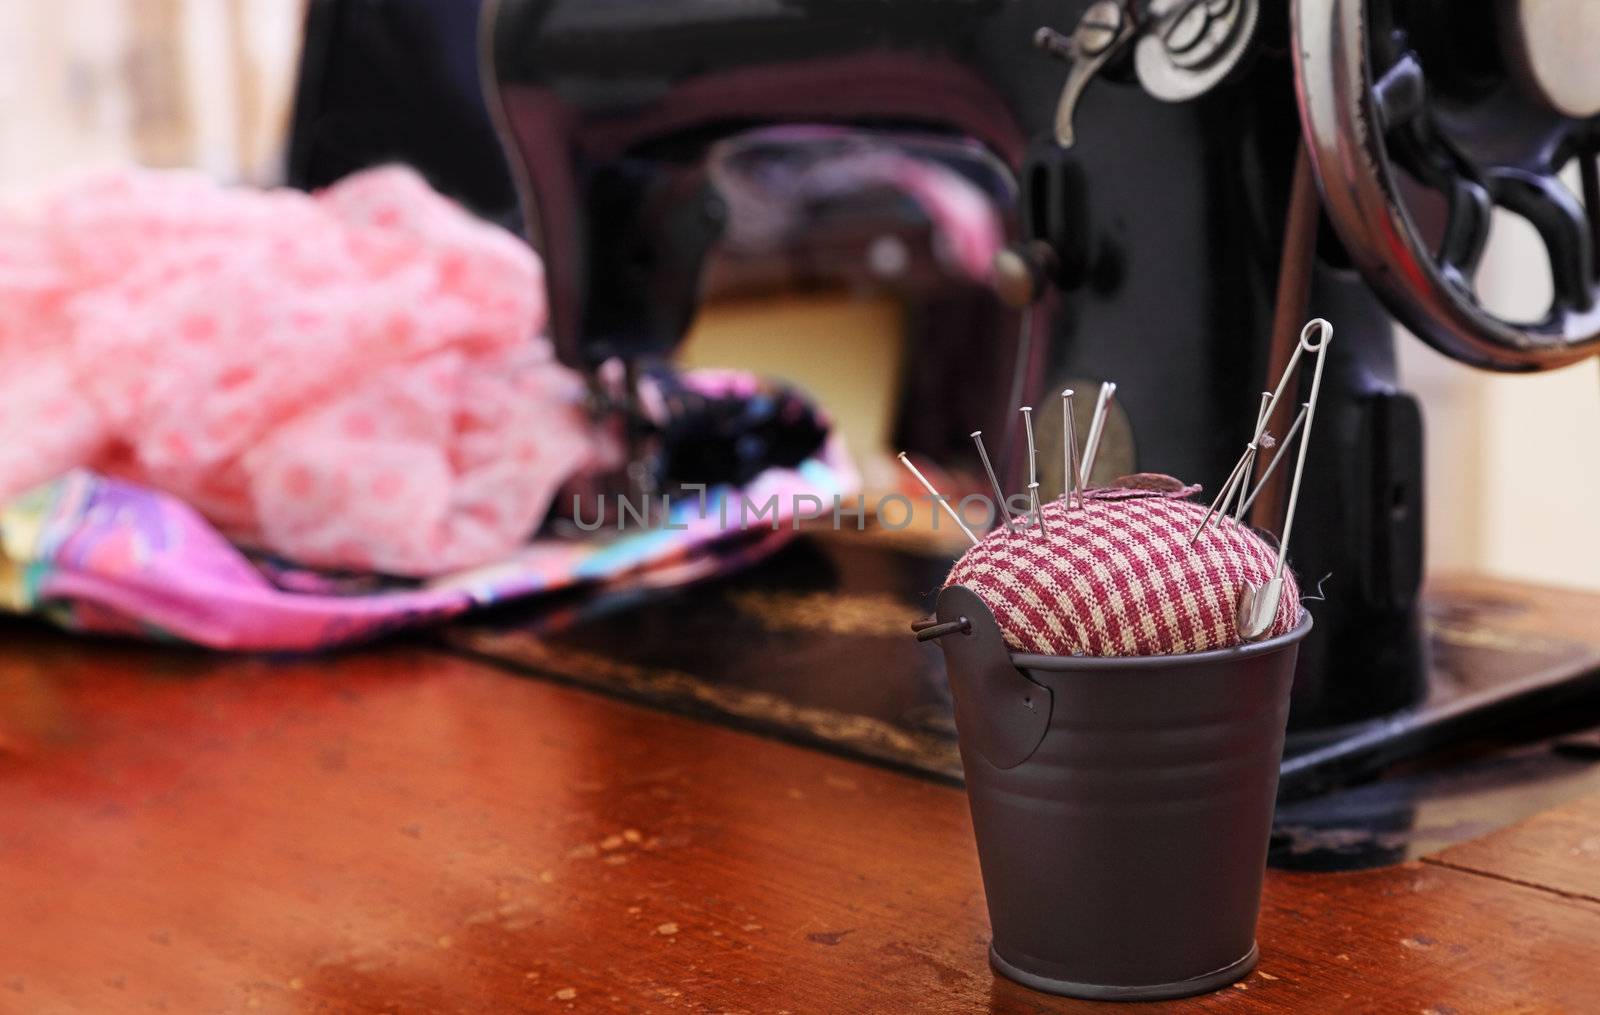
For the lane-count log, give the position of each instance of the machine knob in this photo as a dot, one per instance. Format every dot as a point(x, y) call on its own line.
point(1020, 272)
point(1184, 48)
point(1101, 33)
point(1191, 45)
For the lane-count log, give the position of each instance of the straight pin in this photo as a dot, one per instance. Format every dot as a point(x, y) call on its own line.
point(1226, 491)
point(1288, 439)
point(1241, 487)
point(1097, 424)
point(1261, 422)
point(1069, 452)
point(994, 481)
point(938, 498)
point(1033, 455)
point(1038, 509)
point(1033, 462)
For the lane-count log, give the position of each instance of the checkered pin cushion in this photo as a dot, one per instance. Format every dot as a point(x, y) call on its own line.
point(1118, 576)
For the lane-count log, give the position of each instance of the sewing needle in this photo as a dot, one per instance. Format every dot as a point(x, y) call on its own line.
point(1288, 439)
point(1244, 482)
point(1223, 496)
point(939, 499)
point(1091, 446)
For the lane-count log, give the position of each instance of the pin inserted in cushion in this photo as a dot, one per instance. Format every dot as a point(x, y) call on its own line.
point(1120, 577)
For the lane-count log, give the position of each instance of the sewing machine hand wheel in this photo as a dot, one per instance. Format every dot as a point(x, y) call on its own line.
point(1483, 104)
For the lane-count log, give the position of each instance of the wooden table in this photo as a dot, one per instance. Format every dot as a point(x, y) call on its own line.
point(404, 830)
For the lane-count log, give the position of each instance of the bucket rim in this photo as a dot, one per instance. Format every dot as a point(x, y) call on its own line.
point(1035, 661)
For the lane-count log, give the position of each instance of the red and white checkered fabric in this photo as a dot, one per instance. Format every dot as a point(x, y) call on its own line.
point(1119, 578)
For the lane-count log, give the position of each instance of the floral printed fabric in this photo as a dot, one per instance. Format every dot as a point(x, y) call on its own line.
point(350, 380)
point(97, 554)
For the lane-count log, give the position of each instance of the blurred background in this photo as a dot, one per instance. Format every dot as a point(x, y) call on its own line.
point(1513, 468)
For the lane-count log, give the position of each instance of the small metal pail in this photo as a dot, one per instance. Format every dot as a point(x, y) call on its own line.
point(1122, 806)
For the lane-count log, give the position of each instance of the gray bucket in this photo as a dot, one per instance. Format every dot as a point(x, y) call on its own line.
point(1122, 806)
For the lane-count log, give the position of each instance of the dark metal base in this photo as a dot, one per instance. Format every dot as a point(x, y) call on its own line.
point(1476, 683)
point(1216, 980)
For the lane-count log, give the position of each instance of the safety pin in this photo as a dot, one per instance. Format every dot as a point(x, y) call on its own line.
point(1239, 486)
point(994, 481)
point(955, 516)
point(1097, 423)
point(1258, 604)
point(1225, 495)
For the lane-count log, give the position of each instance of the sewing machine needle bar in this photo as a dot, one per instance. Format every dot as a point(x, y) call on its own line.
point(1097, 424)
point(955, 516)
point(994, 481)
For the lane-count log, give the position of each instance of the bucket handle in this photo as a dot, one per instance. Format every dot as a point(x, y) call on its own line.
point(1000, 713)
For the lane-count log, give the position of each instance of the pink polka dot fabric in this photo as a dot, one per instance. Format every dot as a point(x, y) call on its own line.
point(352, 379)
point(1119, 577)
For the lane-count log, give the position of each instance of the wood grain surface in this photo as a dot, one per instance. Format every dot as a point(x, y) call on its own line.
point(1558, 850)
point(1535, 610)
point(404, 830)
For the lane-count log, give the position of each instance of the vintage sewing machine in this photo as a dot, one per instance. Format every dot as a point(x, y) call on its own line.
point(1141, 157)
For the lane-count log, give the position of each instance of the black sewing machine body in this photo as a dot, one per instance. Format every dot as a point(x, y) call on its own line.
point(1153, 242)
point(1166, 220)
